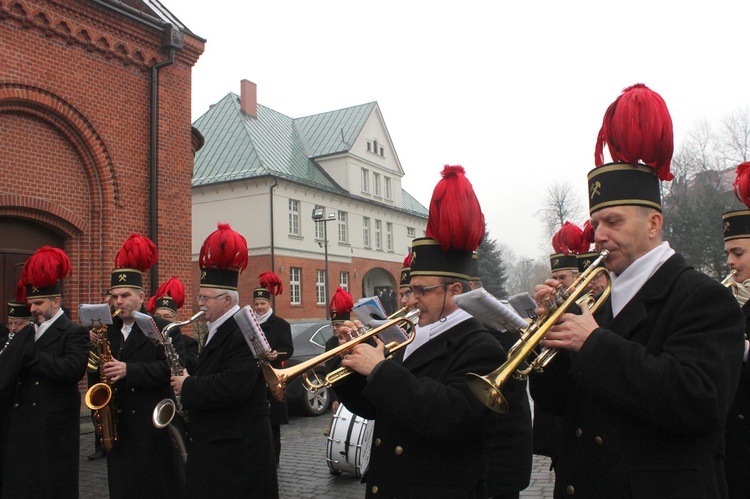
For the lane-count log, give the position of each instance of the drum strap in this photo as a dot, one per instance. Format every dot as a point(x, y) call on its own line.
point(349, 436)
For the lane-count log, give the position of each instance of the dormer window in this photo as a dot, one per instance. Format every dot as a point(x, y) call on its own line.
point(374, 147)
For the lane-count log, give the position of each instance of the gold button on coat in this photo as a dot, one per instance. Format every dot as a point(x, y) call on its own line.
point(377, 442)
point(399, 450)
point(598, 440)
point(570, 490)
point(579, 432)
point(374, 489)
point(741, 417)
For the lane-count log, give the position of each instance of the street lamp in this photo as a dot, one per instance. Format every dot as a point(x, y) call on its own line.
point(318, 215)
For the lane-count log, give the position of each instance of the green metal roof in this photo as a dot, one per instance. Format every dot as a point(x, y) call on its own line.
point(238, 146)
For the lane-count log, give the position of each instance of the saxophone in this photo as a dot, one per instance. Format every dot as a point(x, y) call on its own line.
point(99, 397)
point(165, 411)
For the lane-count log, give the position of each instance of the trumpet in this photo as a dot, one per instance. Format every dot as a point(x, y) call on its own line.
point(488, 388)
point(278, 379)
point(730, 283)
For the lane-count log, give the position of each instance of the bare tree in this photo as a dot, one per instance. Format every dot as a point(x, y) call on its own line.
point(560, 205)
point(735, 137)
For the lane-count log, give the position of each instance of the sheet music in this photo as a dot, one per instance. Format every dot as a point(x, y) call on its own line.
point(252, 332)
point(148, 326)
point(92, 315)
point(488, 309)
point(368, 309)
point(523, 304)
point(393, 333)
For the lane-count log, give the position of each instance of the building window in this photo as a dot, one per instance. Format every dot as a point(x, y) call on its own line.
point(382, 152)
point(294, 217)
point(344, 280)
point(343, 229)
point(366, 232)
point(387, 188)
point(320, 287)
point(410, 232)
point(365, 180)
point(376, 184)
point(378, 238)
point(389, 236)
point(295, 284)
point(319, 226)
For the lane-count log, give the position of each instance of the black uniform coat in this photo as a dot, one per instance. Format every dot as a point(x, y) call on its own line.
point(143, 462)
point(42, 449)
point(230, 452)
point(646, 398)
point(279, 335)
point(431, 434)
point(510, 455)
point(738, 432)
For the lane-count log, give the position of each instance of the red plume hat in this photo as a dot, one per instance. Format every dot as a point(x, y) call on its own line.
point(170, 296)
point(586, 256)
point(137, 255)
point(455, 229)
point(43, 270)
point(566, 242)
point(637, 130)
point(341, 305)
point(405, 272)
point(270, 284)
point(18, 308)
point(737, 222)
point(223, 257)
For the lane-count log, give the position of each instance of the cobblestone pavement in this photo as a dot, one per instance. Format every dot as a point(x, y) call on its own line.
point(303, 472)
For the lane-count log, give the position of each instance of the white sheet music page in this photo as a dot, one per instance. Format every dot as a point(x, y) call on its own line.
point(92, 315)
point(148, 326)
point(252, 332)
point(488, 309)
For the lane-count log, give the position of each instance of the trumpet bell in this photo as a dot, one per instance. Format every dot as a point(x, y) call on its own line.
point(487, 393)
point(164, 413)
point(98, 396)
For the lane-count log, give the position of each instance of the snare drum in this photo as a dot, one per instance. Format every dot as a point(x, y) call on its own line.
point(348, 448)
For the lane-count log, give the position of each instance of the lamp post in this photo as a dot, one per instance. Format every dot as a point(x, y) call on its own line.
point(318, 215)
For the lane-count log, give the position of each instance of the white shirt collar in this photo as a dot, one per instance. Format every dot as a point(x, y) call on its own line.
point(426, 333)
point(263, 318)
point(41, 328)
point(213, 326)
point(632, 279)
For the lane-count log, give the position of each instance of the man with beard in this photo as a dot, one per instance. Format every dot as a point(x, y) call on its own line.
point(41, 452)
point(143, 461)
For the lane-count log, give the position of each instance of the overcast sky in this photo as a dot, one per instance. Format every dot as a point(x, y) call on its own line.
point(514, 91)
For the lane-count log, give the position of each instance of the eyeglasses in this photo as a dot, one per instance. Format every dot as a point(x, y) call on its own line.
point(406, 293)
point(18, 325)
point(419, 291)
point(202, 298)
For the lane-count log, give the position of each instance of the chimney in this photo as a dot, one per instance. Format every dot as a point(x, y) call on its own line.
point(249, 98)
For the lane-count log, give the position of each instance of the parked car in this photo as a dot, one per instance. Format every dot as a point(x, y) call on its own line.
point(309, 342)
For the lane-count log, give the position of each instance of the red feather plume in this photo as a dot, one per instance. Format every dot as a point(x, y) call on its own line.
point(224, 249)
point(568, 239)
point(407, 260)
point(137, 252)
point(455, 219)
point(45, 267)
point(589, 235)
point(271, 282)
point(637, 127)
point(174, 288)
point(341, 302)
point(742, 183)
point(20, 292)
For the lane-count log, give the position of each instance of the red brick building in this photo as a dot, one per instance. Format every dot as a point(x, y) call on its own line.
point(89, 89)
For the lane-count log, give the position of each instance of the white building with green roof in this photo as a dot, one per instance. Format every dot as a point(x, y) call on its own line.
point(265, 173)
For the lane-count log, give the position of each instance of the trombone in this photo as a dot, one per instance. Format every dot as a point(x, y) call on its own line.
point(488, 388)
point(278, 379)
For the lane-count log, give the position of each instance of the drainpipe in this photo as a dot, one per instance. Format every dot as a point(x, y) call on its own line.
point(173, 39)
point(273, 260)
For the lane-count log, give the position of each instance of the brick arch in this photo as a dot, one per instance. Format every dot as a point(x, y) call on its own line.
point(78, 131)
point(44, 212)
